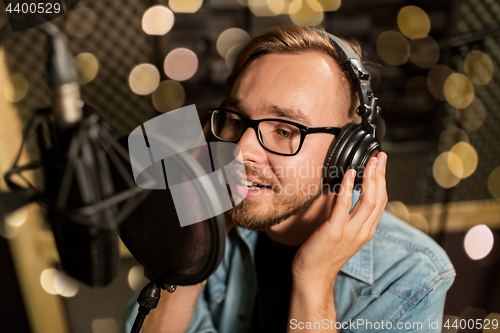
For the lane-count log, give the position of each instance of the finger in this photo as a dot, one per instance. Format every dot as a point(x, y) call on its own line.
point(374, 218)
point(343, 202)
point(368, 197)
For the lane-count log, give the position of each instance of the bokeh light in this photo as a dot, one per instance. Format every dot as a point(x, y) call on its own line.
point(441, 170)
point(144, 79)
point(17, 218)
point(399, 209)
point(494, 183)
point(105, 325)
point(157, 20)
point(478, 67)
point(414, 22)
point(47, 280)
point(16, 88)
point(424, 52)
point(276, 6)
point(181, 64)
point(230, 38)
point(330, 5)
point(478, 242)
point(491, 329)
point(472, 117)
point(306, 12)
point(185, 6)
point(87, 66)
point(451, 136)
point(468, 157)
point(81, 22)
point(65, 285)
point(458, 90)
point(136, 278)
point(419, 222)
point(417, 95)
point(436, 78)
point(264, 7)
point(393, 48)
point(169, 95)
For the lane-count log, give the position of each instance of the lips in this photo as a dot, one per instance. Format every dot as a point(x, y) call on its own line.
point(251, 183)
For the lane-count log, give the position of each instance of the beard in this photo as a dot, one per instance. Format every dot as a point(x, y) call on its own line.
point(247, 214)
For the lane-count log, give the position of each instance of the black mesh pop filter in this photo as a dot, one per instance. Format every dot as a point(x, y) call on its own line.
point(171, 253)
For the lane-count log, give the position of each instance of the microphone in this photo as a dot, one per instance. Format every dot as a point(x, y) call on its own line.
point(79, 193)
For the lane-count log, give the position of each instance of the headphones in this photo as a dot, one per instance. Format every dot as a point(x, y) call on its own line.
point(356, 143)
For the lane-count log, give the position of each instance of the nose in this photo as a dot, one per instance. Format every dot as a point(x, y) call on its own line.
point(251, 150)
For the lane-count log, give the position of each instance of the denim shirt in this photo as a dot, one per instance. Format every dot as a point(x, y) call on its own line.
point(396, 283)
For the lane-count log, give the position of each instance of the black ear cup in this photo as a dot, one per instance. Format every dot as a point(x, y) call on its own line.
point(351, 149)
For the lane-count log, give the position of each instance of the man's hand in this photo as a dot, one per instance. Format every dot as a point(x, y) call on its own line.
point(320, 258)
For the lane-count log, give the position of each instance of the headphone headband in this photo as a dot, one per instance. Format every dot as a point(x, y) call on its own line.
point(367, 109)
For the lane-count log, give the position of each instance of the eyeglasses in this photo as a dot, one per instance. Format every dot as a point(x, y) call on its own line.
point(278, 136)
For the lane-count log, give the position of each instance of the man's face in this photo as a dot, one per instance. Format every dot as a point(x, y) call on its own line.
point(304, 88)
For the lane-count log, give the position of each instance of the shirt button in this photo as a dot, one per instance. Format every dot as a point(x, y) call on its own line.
point(242, 318)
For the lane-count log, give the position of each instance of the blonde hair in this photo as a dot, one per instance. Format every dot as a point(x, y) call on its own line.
point(294, 39)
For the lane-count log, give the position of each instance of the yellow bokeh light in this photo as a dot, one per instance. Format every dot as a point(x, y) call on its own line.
point(87, 66)
point(494, 183)
point(47, 280)
point(136, 279)
point(306, 12)
point(450, 137)
point(229, 38)
point(17, 218)
point(413, 22)
point(169, 95)
point(157, 20)
point(262, 8)
point(478, 242)
point(144, 79)
point(330, 5)
point(181, 64)
point(81, 22)
point(393, 48)
point(478, 67)
point(16, 88)
point(105, 325)
point(276, 6)
point(417, 95)
point(468, 158)
point(436, 78)
point(490, 319)
point(424, 52)
point(232, 53)
point(65, 285)
point(441, 170)
point(472, 117)
point(185, 6)
point(458, 90)
point(399, 209)
point(419, 222)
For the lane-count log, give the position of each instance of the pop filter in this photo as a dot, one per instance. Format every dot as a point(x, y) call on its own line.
point(170, 253)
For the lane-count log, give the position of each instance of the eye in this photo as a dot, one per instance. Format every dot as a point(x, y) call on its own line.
point(284, 134)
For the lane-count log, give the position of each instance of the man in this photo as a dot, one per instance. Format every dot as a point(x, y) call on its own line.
point(316, 265)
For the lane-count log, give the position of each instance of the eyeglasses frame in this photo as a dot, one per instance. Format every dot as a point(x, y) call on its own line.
point(254, 123)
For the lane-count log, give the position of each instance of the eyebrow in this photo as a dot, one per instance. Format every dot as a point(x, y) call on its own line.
point(277, 111)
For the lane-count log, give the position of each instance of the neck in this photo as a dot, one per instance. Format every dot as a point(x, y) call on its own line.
point(295, 230)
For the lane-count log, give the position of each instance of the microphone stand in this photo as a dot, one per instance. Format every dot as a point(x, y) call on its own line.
point(148, 300)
